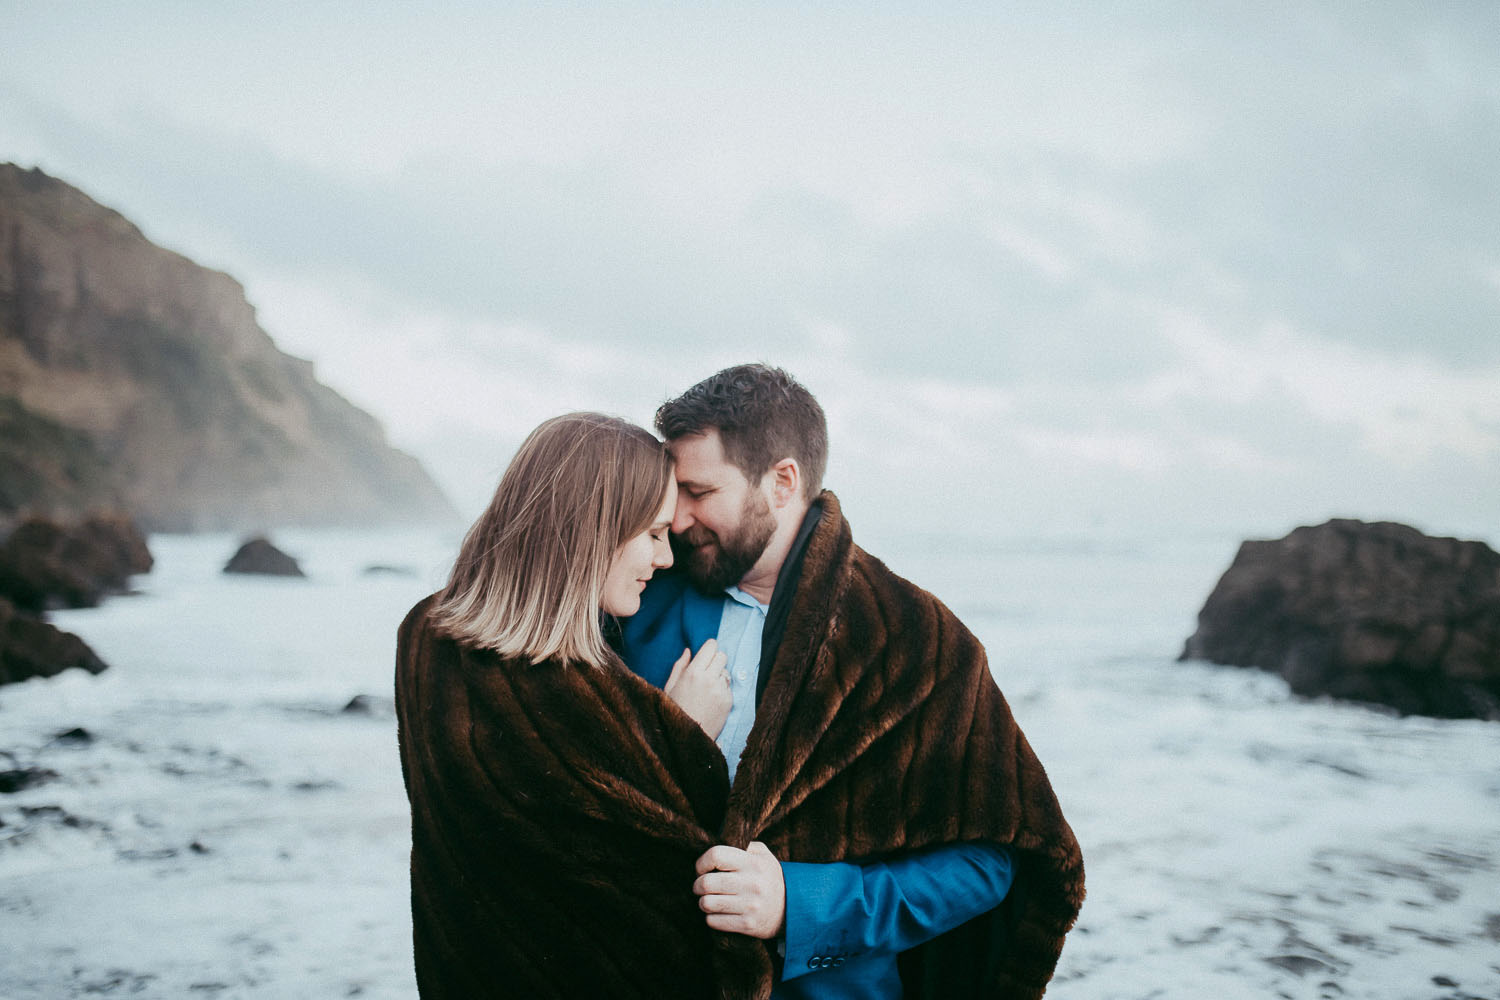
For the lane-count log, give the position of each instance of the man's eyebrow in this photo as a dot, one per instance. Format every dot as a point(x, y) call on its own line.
point(692, 484)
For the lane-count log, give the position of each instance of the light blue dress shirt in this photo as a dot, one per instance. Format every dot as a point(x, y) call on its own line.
point(740, 629)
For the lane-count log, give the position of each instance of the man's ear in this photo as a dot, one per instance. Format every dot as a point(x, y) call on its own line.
point(786, 481)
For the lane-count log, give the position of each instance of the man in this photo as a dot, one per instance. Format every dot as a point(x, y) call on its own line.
point(882, 801)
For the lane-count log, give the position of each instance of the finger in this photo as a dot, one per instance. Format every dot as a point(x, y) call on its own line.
point(717, 883)
point(757, 847)
point(715, 903)
point(710, 669)
point(682, 661)
point(721, 660)
point(706, 652)
point(721, 857)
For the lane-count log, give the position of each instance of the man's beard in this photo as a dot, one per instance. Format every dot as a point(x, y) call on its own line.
point(722, 562)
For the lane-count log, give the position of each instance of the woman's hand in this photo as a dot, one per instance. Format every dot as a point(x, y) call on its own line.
point(700, 686)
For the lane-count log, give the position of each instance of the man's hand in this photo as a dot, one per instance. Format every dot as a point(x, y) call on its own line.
point(742, 891)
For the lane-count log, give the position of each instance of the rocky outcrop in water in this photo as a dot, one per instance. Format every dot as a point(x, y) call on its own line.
point(30, 647)
point(46, 564)
point(133, 379)
point(1372, 612)
point(259, 557)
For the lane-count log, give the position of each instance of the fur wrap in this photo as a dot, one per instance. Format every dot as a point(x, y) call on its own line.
point(557, 810)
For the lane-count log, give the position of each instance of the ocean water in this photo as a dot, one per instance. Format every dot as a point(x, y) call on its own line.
point(225, 829)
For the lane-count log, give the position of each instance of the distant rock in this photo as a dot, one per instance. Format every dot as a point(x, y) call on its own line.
point(46, 564)
point(360, 704)
point(134, 379)
point(30, 647)
point(381, 569)
point(369, 704)
point(1371, 612)
point(118, 543)
point(259, 556)
point(21, 778)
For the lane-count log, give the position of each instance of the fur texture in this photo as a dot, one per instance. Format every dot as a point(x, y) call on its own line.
point(881, 731)
point(557, 810)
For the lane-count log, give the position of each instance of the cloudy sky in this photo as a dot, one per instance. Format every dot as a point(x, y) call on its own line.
point(1228, 266)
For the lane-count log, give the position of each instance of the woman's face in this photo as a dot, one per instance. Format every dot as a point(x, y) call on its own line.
point(636, 559)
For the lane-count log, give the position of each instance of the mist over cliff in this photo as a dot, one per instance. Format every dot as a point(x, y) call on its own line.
point(135, 379)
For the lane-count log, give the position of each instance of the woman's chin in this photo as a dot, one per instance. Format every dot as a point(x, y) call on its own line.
point(623, 609)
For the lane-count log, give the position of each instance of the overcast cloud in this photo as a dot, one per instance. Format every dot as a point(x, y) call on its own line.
point(1043, 268)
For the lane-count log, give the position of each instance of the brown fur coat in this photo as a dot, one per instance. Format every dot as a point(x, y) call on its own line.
point(882, 731)
point(557, 811)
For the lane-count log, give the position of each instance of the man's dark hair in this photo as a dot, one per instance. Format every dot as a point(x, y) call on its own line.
point(762, 415)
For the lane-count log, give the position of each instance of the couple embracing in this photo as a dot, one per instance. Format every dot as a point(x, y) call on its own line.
point(669, 732)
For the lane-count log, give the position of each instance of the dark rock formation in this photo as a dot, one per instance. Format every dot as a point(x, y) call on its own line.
point(360, 704)
point(133, 379)
point(21, 778)
point(259, 556)
point(370, 704)
point(380, 569)
point(29, 647)
point(1367, 612)
point(46, 564)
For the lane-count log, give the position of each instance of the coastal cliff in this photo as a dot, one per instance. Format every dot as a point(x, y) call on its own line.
point(134, 379)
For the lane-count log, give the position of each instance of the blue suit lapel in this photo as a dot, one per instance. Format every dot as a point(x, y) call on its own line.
point(673, 617)
point(700, 617)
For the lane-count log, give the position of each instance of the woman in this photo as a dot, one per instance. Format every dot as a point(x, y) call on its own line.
point(559, 801)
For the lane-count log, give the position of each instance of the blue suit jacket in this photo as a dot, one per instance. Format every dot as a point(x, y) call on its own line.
point(845, 923)
point(673, 616)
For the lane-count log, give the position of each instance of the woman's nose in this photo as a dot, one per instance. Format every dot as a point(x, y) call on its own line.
point(663, 554)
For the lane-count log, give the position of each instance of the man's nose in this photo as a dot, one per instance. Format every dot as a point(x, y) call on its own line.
point(683, 519)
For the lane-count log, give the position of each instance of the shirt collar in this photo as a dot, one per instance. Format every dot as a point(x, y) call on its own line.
point(740, 597)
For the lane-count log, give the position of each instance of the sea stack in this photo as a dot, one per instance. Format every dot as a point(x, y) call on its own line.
point(47, 564)
point(259, 557)
point(1370, 612)
point(30, 647)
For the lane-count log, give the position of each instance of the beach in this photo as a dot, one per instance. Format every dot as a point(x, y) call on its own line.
point(224, 815)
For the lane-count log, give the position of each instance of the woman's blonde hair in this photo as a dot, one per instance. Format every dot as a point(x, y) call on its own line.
point(530, 573)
